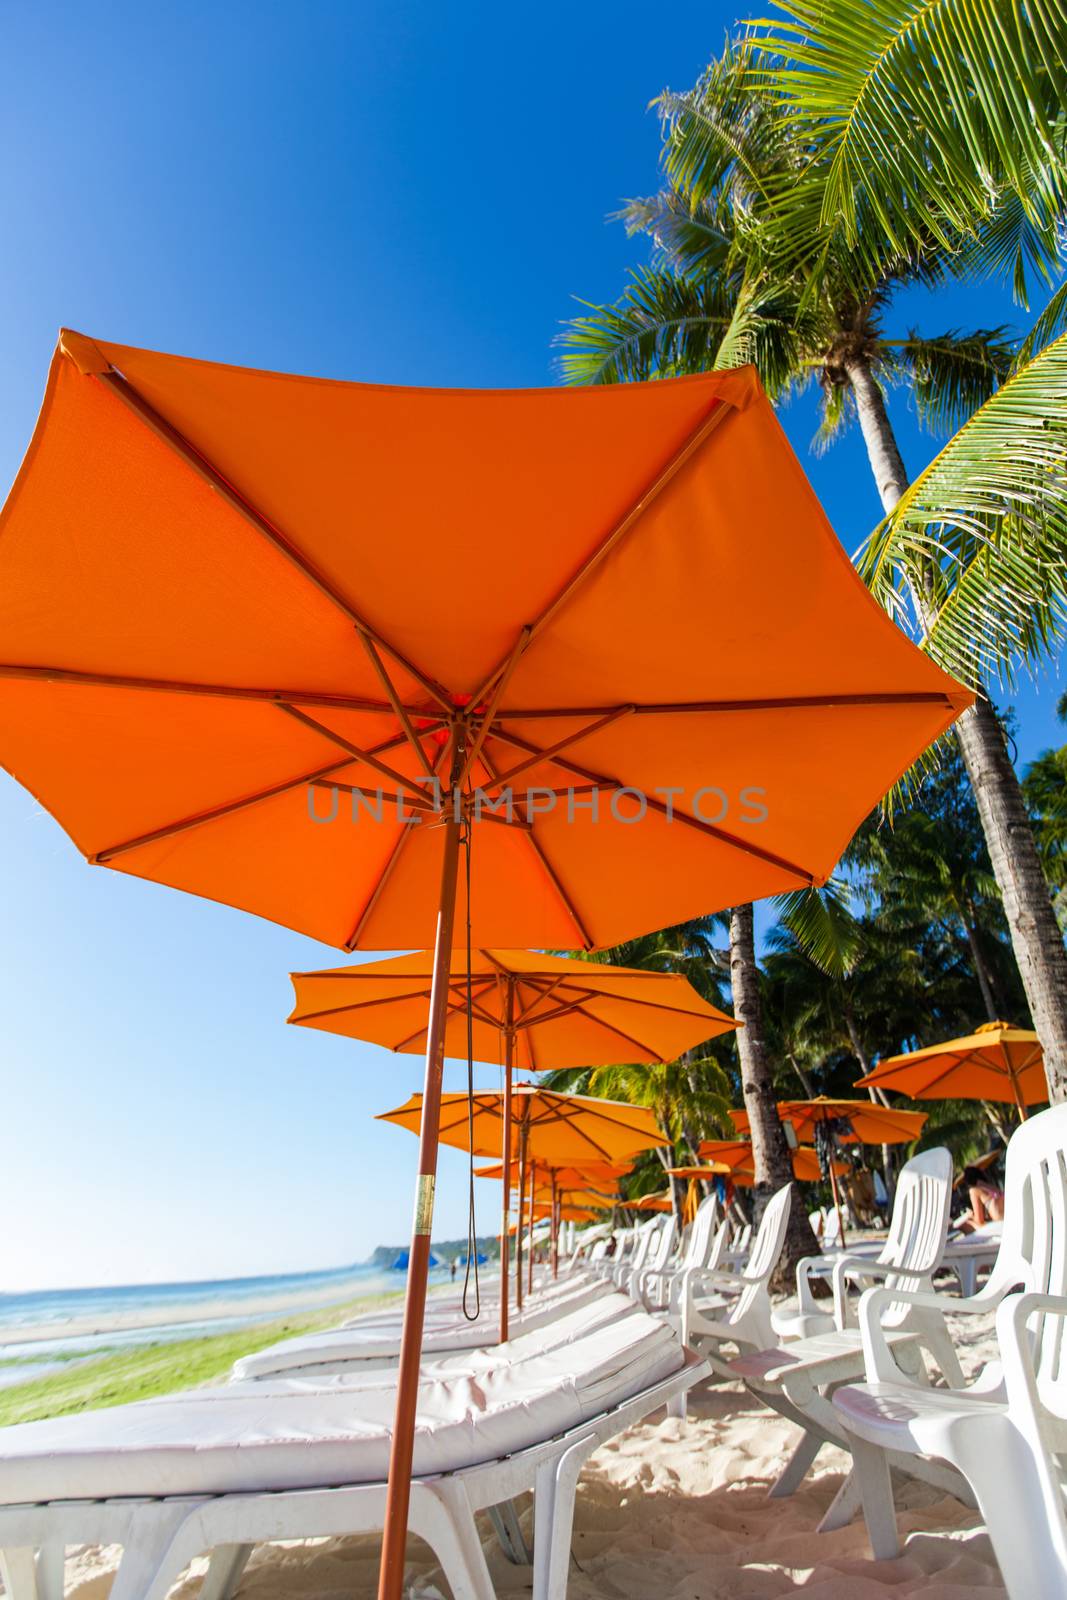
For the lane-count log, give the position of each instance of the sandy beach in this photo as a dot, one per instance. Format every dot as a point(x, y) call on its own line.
point(679, 1513)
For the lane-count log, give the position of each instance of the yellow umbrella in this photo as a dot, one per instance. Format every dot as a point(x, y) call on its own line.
point(995, 1062)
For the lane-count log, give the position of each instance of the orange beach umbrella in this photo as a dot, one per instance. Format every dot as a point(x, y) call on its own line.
point(996, 1062)
point(281, 642)
point(866, 1123)
point(526, 1010)
point(806, 1167)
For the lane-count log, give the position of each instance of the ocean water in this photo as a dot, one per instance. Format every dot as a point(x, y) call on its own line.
point(81, 1321)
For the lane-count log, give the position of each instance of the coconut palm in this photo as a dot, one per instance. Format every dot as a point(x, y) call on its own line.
point(735, 279)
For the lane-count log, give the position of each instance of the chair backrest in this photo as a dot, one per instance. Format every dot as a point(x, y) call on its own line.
point(720, 1244)
point(660, 1251)
point(642, 1245)
point(698, 1243)
point(763, 1257)
point(1033, 1241)
point(918, 1227)
point(770, 1237)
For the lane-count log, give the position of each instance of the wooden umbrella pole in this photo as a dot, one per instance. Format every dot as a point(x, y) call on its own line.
point(837, 1198)
point(533, 1219)
point(555, 1227)
point(509, 1054)
point(519, 1212)
point(398, 1495)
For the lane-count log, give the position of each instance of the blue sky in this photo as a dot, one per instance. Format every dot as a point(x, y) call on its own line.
point(402, 192)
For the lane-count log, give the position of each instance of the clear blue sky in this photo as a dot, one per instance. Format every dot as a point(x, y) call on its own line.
point(398, 191)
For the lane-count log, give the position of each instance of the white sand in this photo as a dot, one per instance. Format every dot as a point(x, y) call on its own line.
point(667, 1513)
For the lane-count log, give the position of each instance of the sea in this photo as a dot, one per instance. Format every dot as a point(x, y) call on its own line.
point(44, 1330)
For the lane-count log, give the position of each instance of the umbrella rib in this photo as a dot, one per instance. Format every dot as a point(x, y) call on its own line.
point(800, 702)
point(394, 699)
point(553, 875)
point(220, 691)
point(239, 502)
point(390, 866)
point(358, 1005)
point(719, 410)
point(676, 813)
point(359, 754)
point(168, 830)
point(561, 744)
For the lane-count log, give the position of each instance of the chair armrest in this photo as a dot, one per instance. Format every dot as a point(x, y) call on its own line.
point(805, 1299)
point(848, 1267)
point(881, 1367)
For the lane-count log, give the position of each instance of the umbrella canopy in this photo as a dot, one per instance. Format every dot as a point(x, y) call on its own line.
point(562, 1013)
point(526, 1010)
point(649, 1202)
point(996, 1062)
point(325, 599)
point(544, 1190)
point(350, 591)
point(867, 1123)
point(402, 1261)
point(603, 1175)
point(806, 1167)
point(561, 1129)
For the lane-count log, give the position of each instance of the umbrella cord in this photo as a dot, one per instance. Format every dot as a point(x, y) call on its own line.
point(472, 1227)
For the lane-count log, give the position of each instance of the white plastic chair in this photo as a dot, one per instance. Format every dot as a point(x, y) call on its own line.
point(659, 1246)
point(1005, 1431)
point(910, 1256)
point(745, 1319)
point(797, 1378)
point(652, 1286)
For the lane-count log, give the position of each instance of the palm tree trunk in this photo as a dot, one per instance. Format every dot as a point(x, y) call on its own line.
point(981, 971)
point(771, 1157)
point(1035, 935)
point(879, 1096)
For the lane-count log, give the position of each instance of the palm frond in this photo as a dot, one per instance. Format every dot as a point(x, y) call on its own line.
point(822, 923)
point(928, 109)
point(977, 547)
point(954, 373)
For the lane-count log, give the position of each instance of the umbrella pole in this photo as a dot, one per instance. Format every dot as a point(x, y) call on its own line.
point(509, 1052)
point(530, 1253)
point(398, 1494)
point(519, 1214)
point(1015, 1084)
point(555, 1227)
point(837, 1199)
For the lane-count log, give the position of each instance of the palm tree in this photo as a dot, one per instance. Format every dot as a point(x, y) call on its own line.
point(752, 265)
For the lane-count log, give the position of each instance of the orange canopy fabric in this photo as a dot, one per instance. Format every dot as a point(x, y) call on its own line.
point(565, 1013)
point(996, 1062)
point(234, 605)
point(649, 1202)
point(868, 1123)
point(806, 1167)
point(560, 1129)
point(600, 1175)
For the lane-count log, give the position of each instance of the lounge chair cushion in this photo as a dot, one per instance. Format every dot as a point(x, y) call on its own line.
point(245, 1441)
point(379, 1341)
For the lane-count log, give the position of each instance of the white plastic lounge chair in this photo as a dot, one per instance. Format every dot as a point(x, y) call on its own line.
point(910, 1255)
point(706, 1324)
point(797, 1379)
point(1004, 1432)
point(652, 1286)
point(170, 1479)
point(377, 1343)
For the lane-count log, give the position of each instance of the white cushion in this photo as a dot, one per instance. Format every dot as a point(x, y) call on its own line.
point(562, 1330)
point(246, 1441)
point(380, 1341)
